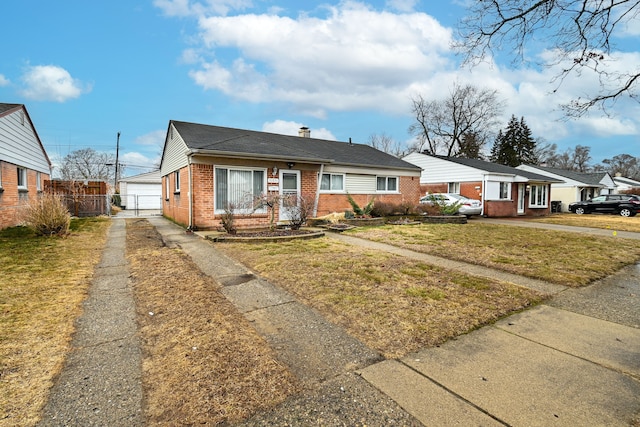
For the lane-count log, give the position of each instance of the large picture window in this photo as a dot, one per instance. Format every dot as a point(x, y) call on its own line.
point(538, 196)
point(332, 182)
point(239, 189)
point(387, 184)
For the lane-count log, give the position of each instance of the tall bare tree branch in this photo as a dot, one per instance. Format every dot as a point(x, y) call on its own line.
point(580, 33)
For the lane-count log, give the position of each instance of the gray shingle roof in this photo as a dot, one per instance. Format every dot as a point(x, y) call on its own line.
point(216, 140)
point(497, 168)
point(591, 178)
point(7, 107)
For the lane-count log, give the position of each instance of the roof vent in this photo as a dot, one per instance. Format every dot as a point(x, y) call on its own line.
point(304, 132)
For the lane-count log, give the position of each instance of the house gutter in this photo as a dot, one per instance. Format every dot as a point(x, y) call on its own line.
point(317, 201)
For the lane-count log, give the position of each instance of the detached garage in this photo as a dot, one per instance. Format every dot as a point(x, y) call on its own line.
point(142, 191)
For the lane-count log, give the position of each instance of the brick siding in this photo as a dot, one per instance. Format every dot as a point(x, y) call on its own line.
point(13, 200)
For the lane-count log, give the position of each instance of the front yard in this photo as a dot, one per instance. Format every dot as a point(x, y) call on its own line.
point(205, 362)
point(564, 258)
point(607, 222)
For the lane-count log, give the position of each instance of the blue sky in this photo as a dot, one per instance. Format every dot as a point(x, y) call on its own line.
point(87, 70)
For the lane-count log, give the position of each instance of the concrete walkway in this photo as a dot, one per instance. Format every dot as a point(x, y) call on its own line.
point(572, 361)
point(100, 384)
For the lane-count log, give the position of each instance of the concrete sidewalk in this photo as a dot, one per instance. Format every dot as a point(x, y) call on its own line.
point(100, 384)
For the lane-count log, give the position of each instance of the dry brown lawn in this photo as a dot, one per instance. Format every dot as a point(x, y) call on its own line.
point(203, 363)
point(390, 303)
point(607, 222)
point(565, 258)
point(43, 283)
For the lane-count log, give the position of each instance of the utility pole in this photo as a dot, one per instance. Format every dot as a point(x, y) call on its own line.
point(115, 180)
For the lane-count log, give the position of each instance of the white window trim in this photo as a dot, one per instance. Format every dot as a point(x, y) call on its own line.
point(386, 190)
point(532, 201)
point(508, 184)
point(265, 174)
point(176, 181)
point(330, 190)
point(456, 187)
point(23, 173)
point(0, 175)
point(38, 181)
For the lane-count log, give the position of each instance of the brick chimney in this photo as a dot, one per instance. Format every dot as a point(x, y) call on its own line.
point(304, 132)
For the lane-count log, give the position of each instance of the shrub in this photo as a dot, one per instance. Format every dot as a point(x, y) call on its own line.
point(365, 211)
point(116, 200)
point(47, 216)
point(298, 210)
point(228, 219)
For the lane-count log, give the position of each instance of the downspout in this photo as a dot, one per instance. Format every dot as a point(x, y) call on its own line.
point(190, 196)
point(484, 193)
point(317, 201)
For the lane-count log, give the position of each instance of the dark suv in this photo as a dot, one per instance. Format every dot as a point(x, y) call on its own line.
point(623, 204)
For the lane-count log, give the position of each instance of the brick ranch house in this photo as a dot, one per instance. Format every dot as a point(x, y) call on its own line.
point(504, 191)
point(205, 168)
point(24, 164)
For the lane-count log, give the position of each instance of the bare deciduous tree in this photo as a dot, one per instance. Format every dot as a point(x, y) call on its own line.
point(579, 33)
point(446, 126)
point(88, 164)
point(386, 143)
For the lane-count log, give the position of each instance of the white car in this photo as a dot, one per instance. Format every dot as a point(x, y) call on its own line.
point(467, 207)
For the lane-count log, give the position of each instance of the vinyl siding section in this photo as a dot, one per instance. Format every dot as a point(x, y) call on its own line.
point(365, 184)
point(436, 170)
point(19, 144)
point(174, 157)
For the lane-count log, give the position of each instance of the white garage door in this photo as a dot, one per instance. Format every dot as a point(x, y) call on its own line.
point(143, 196)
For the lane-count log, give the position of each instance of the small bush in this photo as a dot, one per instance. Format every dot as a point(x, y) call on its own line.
point(228, 220)
point(382, 209)
point(47, 216)
point(298, 210)
point(364, 211)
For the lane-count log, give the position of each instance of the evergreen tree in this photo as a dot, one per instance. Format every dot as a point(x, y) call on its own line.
point(515, 146)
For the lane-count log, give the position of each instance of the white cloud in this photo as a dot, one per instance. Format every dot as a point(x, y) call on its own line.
point(353, 58)
point(156, 138)
point(4, 81)
point(51, 83)
point(284, 127)
point(135, 162)
point(189, 8)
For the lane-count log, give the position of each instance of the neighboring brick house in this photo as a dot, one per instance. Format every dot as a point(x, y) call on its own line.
point(504, 191)
point(205, 168)
point(574, 186)
point(24, 164)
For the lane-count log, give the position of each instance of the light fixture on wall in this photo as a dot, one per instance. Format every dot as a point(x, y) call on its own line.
point(290, 165)
point(275, 170)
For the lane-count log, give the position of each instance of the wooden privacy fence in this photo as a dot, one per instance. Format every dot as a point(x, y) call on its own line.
point(82, 198)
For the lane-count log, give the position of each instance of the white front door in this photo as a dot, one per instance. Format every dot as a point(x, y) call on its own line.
point(521, 199)
point(289, 192)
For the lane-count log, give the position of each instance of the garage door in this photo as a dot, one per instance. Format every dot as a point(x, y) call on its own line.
point(142, 196)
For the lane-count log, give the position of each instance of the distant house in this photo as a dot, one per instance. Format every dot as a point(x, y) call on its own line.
point(503, 190)
point(206, 169)
point(574, 186)
point(143, 191)
point(24, 164)
point(626, 184)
